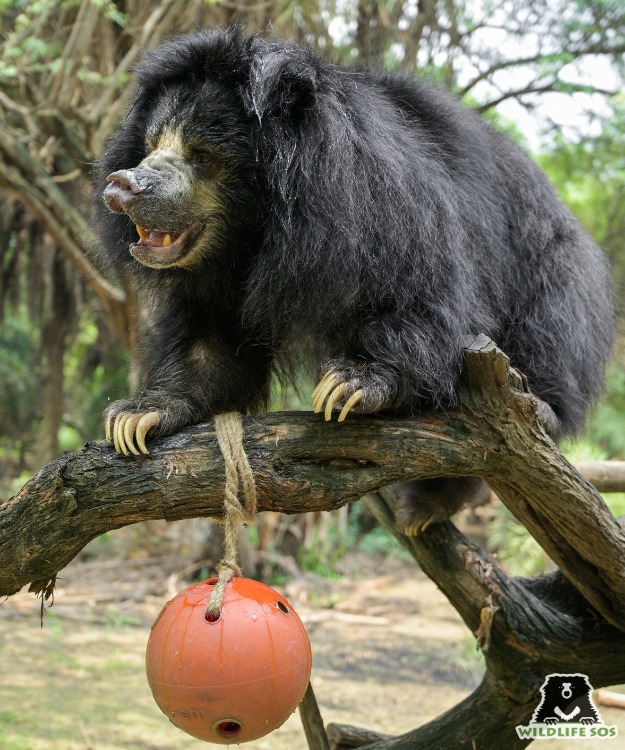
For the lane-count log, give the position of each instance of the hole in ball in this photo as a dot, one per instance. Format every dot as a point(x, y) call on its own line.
point(282, 607)
point(212, 618)
point(227, 727)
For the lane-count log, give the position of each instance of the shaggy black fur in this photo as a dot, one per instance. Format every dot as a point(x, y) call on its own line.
point(366, 219)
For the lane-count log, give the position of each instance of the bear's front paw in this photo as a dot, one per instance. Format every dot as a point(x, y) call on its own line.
point(366, 388)
point(551, 720)
point(125, 422)
point(588, 720)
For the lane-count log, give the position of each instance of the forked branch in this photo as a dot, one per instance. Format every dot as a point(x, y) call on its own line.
point(304, 464)
point(572, 620)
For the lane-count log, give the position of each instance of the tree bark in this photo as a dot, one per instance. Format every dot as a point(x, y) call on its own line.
point(313, 724)
point(526, 629)
point(569, 621)
point(302, 463)
point(59, 322)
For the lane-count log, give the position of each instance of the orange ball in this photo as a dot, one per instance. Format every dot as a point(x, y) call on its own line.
point(235, 679)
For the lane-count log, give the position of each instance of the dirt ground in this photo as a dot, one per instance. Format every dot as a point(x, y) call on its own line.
point(389, 654)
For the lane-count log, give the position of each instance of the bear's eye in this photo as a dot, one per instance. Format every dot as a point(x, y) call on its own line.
point(199, 156)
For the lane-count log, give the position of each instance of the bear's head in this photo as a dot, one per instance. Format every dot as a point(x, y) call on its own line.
point(185, 167)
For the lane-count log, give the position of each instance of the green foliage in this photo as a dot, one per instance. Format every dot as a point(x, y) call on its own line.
point(606, 428)
point(516, 549)
point(590, 177)
point(379, 542)
point(319, 559)
point(590, 449)
point(19, 385)
point(112, 12)
point(116, 620)
point(90, 382)
point(323, 549)
point(519, 552)
point(288, 398)
point(360, 532)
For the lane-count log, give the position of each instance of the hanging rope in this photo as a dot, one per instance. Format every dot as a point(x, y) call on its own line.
point(229, 430)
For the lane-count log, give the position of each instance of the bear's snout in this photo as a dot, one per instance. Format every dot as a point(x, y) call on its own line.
point(123, 186)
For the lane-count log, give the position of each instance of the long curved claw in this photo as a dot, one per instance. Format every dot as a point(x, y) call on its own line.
point(116, 433)
point(107, 429)
point(333, 398)
point(419, 525)
point(147, 421)
point(125, 428)
point(331, 375)
point(426, 524)
point(354, 399)
point(316, 389)
point(331, 379)
point(130, 426)
point(120, 423)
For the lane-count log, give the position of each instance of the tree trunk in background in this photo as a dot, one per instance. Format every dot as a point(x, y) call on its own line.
point(59, 321)
point(370, 33)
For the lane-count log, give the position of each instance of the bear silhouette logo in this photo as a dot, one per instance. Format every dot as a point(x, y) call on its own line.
point(566, 698)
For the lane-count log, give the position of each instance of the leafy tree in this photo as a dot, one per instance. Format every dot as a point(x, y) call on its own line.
point(590, 176)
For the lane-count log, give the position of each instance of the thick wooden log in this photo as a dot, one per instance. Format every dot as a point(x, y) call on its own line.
point(605, 476)
point(302, 463)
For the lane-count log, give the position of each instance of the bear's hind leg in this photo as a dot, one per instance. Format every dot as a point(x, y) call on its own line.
point(423, 502)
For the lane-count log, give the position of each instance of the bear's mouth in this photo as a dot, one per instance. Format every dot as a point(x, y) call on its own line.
point(158, 248)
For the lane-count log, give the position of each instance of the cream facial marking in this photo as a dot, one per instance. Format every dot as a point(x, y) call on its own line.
point(169, 140)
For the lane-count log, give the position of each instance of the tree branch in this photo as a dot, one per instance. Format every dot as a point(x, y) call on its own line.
point(27, 180)
point(571, 620)
point(606, 476)
point(542, 57)
point(304, 464)
point(552, 86)
point(526, 628)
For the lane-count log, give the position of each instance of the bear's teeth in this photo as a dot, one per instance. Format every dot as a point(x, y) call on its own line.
point(156, 237)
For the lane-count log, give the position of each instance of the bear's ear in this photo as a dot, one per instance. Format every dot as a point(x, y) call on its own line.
point(284, 79)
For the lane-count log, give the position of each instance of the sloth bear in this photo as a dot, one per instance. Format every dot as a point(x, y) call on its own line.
point(277, 210)
point(566, 698)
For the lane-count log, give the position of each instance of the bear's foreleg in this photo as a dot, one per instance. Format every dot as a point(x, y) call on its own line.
point(192, 373)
